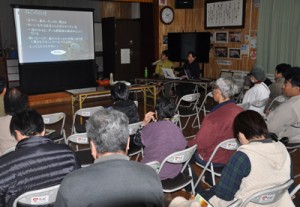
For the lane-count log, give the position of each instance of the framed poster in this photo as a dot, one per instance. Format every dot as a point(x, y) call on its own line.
point(221, 52)
point(221, 37)
point(234, 53)
point(224, 14)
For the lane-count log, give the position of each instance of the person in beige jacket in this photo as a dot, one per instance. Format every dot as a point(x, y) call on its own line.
point(14, 101)
point(248, 170)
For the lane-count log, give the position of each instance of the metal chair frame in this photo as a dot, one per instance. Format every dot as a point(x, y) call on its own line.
point(228, 144)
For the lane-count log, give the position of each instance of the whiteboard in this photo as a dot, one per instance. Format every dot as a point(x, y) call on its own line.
point(98, 36)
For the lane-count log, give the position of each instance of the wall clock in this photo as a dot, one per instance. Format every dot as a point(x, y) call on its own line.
point(166, 15)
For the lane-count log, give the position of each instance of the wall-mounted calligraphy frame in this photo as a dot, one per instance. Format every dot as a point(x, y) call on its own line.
point(224, 14)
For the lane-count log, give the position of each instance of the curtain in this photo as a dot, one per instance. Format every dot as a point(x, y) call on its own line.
point(278, 34)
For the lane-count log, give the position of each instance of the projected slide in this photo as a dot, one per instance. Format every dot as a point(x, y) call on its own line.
point(54, 35)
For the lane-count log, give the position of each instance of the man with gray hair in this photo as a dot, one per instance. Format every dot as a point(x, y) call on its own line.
point(217, 126)
point(112, 180)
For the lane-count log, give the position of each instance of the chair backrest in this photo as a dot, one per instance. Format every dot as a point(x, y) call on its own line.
point(192, 98)
point(228, 144)
point(134, 127)
point(268, 196)
point(38, 197)
point(154, 165)
point(50, 119)
point(276, 102)
point(202, 107)
point(180, 157)
point(11, 149)
point(84, 112)
point(78, 139)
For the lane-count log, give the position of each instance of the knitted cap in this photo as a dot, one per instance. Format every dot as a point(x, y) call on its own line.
point(258, 73)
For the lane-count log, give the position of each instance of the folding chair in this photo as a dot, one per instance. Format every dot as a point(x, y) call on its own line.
point(85, 157)
point(134, 149)
point(78, 139)
point(83, 113)
point(204, 106)
point(276, 102)
point(55, 120)
point(182, 179)
point(268, 196)
point(190, 111)
point(38, 197)
point(228, 144)
point(154, 165)
point(11, 149)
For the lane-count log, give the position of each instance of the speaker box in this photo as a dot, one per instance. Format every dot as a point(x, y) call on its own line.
point(184, 4)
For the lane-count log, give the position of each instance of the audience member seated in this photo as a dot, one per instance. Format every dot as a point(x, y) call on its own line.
point(2, 93)
point(36, 163)
point(121, 102)
point(120, 97)
point(14, 101)
point(190, 68)
point(161, 137)
point(258, 164)
point(281, 120)
point(164, 62)
point(259, 91)
point(276, 87)
point(217, 126)
point(112, 180)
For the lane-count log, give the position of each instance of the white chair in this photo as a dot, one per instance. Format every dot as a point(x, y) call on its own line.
point(55, 120)
point(268, 196)
point(182, 179)
point(276, 102)
point(78, 139)
point(134, 150)
point(190, 111)
point(203, 106)
point(82, 113)
point(11, 149)
point(38, 197)
point(228, 144)
point(154, 165)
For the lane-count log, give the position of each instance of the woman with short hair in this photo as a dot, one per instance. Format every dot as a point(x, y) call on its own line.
point(258, 164)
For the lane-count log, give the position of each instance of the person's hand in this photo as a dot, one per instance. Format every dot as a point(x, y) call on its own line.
point(3, 92)
point(150, 116)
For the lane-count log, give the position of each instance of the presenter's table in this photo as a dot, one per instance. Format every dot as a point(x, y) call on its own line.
point(80, 95)
point(202, 82)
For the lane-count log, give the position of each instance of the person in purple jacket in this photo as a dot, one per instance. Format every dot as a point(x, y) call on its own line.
point(161, 137)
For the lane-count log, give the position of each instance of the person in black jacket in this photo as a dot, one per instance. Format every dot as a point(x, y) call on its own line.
point(120, 96)
point(36, 162)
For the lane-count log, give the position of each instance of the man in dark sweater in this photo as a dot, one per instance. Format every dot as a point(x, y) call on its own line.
point(112, 180)
point(36, 163)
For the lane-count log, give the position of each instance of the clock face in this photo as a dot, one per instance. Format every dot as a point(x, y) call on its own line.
point(167, 15)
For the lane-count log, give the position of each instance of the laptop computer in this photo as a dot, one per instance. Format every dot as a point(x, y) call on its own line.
point(169, 74)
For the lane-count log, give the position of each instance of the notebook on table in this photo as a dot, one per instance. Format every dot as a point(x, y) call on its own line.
point(169, 74)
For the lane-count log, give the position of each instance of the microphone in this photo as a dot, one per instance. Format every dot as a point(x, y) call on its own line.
point(154, 63)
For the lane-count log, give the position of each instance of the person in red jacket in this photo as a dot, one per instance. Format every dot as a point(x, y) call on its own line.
point(217, 126)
